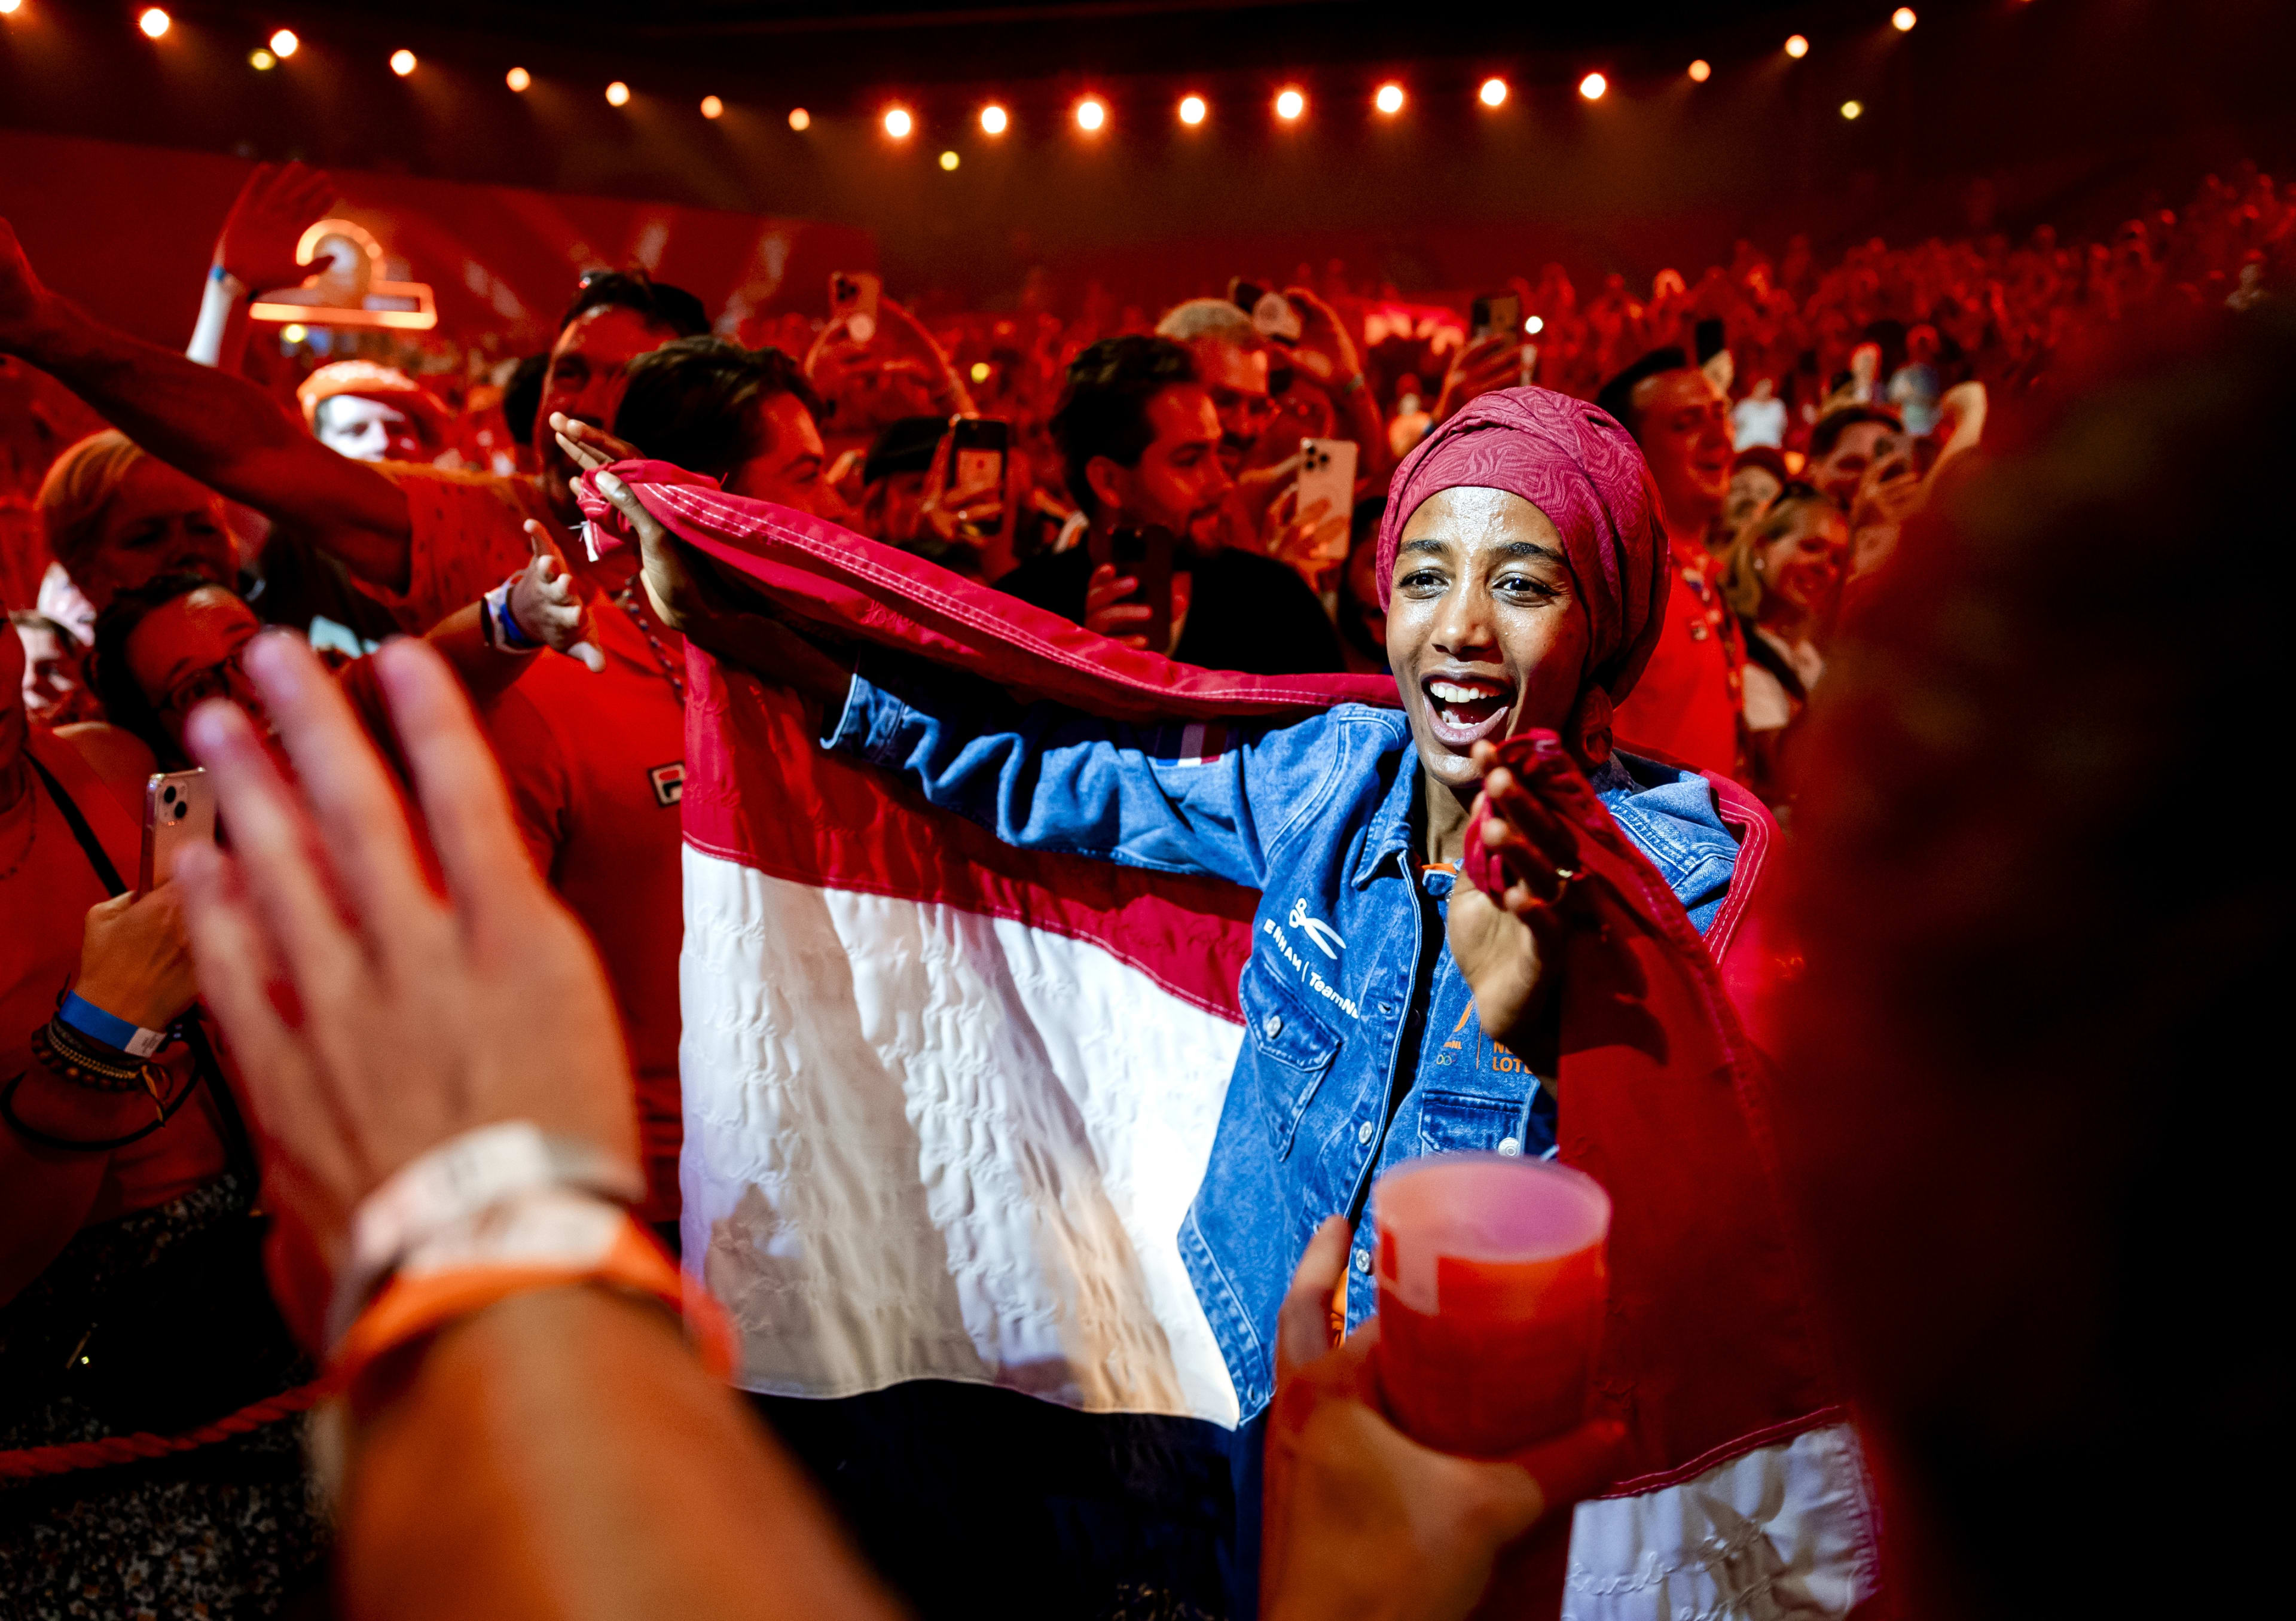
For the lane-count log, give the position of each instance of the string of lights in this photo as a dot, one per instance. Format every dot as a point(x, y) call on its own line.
point(1091, 113)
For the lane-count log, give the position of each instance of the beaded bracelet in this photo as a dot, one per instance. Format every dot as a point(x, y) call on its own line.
point(74, 1059)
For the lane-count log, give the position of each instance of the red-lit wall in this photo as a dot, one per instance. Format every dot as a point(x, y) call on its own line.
point(127, 232)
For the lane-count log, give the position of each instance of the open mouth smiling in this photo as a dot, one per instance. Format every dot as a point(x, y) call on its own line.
point(1466, 709)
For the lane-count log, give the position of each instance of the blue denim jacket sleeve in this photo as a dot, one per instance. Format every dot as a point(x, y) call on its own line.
point(1173, 799)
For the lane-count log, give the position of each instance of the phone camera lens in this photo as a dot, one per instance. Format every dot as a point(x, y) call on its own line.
point(168, 796)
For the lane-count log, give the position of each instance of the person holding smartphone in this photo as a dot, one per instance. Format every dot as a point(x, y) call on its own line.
point(131, 1287)
point(1141, 439)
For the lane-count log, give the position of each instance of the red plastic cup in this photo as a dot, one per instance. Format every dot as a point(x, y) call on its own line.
point(1491, 1288)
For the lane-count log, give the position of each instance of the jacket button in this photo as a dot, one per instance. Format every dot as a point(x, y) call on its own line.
point(1272, 1025)
point(1362, 1132)
point(1511, 1147)
point(1362, 1260)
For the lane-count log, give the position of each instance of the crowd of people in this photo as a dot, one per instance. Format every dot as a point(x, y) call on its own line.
point(1663, 532)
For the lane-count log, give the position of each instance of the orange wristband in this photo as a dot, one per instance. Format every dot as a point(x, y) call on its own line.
point(600, 1244)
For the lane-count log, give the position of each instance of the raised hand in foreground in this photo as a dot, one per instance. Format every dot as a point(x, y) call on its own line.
point(553, 1452)
point(374, 1018)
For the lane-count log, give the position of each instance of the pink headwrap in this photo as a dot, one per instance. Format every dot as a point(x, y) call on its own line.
point(1574, 463)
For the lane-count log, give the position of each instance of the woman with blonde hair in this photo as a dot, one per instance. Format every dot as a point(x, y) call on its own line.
point(1783, 577)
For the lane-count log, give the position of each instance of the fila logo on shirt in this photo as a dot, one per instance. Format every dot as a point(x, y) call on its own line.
point(669, 783)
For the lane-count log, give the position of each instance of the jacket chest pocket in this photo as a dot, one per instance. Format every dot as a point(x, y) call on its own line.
point(1293, 1048)
point(1451, 1121)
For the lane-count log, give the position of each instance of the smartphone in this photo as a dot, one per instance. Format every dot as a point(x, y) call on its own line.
point(178, 812)
point(1327, 477)
point(1496, 312)
point(1146, 555)
point(977, 446)
point(853, 294)
point(1272, 315)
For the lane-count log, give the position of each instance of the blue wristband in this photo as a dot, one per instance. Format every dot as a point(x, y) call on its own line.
point(110, 1028)
point(506, 624)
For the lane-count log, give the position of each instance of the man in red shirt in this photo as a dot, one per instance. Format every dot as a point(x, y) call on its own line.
point(1687, 705)
point(596, 764)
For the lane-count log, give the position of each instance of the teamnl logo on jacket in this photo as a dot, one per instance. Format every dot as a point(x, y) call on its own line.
point(1320, 936)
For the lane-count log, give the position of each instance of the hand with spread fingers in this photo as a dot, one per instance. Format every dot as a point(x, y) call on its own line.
point(266, 223)
point(373, 1017)
point(549, 605)
point(1364, 1523)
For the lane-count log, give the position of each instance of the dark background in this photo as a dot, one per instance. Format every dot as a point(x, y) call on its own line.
point(1992, 114)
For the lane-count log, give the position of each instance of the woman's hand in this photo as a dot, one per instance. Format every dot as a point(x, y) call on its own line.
point(374, 1016)
point(136, 959)
point(1362, 1522)
point(547, 605)
point(1504, 947)
point(591, 448)
point(691, 596)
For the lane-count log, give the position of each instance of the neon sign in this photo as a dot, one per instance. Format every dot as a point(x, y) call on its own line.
point(349, 288)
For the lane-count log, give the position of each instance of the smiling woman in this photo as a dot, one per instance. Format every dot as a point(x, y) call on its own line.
point(1521, 565)
point(1388, 1009)
point(1484, 631)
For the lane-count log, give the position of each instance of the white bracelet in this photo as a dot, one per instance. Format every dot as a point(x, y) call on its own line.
point(436, 1201)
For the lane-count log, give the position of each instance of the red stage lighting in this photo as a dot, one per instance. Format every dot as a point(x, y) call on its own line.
point(1797, 46)
point(897, 123)
point(1091, 113)
point(1593, 86)
point(517, 78)
point(154, 22)
point(1389, 99)
point(618, 95)
point(1494, 93)
point(1902, 20)
point(994, 120)
point(1290, 105)
point(1701, 72)
point(800, 119)
point(1193, 109)
point(402, 62)
point(712, 108)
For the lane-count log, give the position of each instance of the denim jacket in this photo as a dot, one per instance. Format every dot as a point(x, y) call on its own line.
point(1342, 1071)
